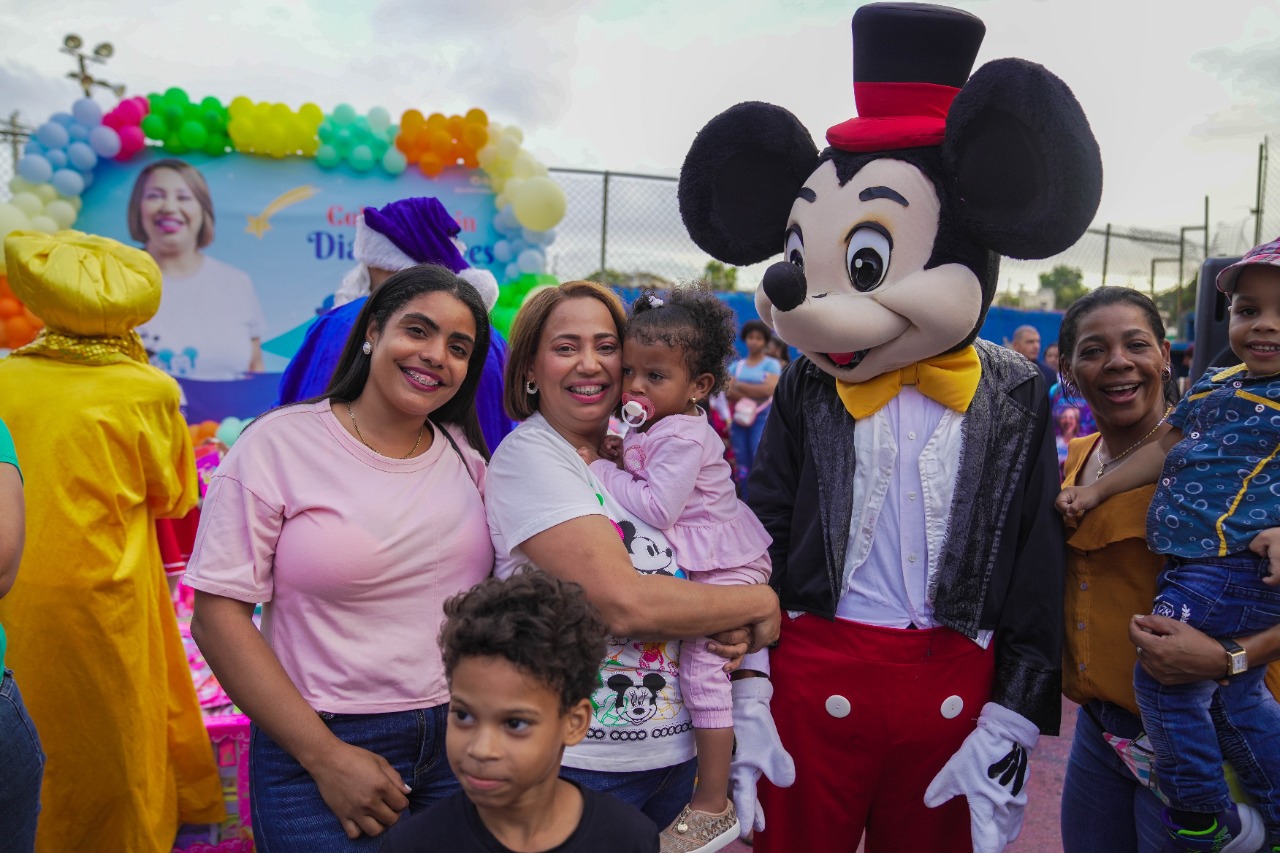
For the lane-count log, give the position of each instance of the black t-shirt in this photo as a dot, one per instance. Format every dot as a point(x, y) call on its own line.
point(454, 826)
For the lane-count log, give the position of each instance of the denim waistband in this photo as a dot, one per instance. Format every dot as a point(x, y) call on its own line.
point(1113, 719)
point(1240, 560)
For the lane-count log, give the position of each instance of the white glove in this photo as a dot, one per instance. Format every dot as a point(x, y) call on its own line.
point(758, 751)
point(990, 770)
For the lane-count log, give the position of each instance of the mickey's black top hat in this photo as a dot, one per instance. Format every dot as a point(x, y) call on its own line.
point(909, 61)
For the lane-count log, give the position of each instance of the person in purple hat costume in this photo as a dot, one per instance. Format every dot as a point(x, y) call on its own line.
point(395, 237)
point(1215, 516)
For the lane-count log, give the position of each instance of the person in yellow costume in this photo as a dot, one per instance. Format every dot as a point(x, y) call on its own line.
point(93, 635)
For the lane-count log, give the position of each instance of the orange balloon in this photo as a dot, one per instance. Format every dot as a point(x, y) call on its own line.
point(455, 126)
point(9, 307)
point(4, 285)
point(20, 331)
point(34, 320)
point(437, 121)
point(404, 141)
point(477, 116)
point(441, 143)
point(469, 160)
point(431, 164)
point(474, 136)
point(411, 121)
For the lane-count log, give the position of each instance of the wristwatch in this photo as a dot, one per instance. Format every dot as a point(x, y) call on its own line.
point(1238, 661)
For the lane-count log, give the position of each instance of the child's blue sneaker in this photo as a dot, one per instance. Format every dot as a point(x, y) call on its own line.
point(1239, 829)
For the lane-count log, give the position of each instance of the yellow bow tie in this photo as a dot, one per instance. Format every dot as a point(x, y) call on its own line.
point(949, 379)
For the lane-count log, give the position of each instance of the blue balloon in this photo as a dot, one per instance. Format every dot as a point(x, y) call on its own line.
point(87, 112)
point(104, 141)
point(78, 132)
point(53, 135)
point(502, 252)
point(512, 272)
point(82, 156)
point(68, 182)
point(35, 168)
point(57, 158)
point(64, 119)
point(88, 178)
point(33, 146)
point(531, 261)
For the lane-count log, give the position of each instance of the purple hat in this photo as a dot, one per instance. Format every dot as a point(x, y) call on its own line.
point(1267, 254)
point(420, 228)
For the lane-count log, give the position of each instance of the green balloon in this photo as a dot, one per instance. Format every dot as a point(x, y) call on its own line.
point(193, 134)
point(173, 143)
point(216, 145)
point(361, 158)
point(210, 103)
point(176, 95)
point(153, 125)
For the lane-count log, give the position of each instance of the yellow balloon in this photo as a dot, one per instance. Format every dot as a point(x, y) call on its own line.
point(46, 192)
point(28, 202)
point(538, 203)
point(61, 212)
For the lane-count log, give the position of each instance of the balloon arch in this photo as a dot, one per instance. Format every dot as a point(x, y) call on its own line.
point(62, 159)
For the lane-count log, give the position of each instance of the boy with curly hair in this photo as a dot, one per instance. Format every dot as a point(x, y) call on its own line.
point(522, 656)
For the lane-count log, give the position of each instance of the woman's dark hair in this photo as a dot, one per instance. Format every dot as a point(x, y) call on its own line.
point(352, 372)
point(1103, 297)
point(693, 321)
point(543, 626)
point(756, 326)
point(194, 180)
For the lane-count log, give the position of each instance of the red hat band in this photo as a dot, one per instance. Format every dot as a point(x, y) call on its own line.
point(893, 116)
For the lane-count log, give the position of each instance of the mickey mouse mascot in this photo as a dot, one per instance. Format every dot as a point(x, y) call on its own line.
point(907, 471)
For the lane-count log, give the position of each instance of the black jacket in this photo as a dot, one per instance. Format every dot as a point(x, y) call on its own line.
point(1001, 566)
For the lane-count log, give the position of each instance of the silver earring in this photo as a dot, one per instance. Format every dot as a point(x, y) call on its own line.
point(367, 349)
point(1167, 373)
point(530, 388)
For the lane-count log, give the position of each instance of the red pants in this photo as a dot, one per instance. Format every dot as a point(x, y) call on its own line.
point(870, 716)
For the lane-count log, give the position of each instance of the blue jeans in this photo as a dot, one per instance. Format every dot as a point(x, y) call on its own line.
point(660, 794)
point(1104, 806)
point(745, 440)
point(288, 812)
point(1194, 726)
point(21, 769)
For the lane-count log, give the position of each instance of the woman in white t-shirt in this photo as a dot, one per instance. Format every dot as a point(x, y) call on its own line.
point(210, 324)
point(352, 517)
point(546, 508)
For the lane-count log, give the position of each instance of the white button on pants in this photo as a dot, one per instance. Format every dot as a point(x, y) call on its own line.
point(838, 706)
point(951, 707)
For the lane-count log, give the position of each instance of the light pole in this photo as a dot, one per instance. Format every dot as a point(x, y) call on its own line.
point(1155, 261)
point(71, 46)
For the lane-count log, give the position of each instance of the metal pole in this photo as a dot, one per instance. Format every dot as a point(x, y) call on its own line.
point(604, 224)
point(1106, 253)
point(1177, 304)
point(1153, 279)
point(1206, 228)
point(13, 140)
point(1257, 209)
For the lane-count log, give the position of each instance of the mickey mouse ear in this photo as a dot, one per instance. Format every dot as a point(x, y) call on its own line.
point(1027, 170)
point(740, 179)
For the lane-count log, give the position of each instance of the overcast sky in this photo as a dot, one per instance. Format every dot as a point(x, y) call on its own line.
point(1179, 94)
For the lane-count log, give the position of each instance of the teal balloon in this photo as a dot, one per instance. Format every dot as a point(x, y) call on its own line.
point(344, 114)
point(394, 161)
point(229, 430)
point(327, 157)
point(361, 158)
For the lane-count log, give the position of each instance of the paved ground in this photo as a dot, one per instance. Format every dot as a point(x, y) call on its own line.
point(1048, 765)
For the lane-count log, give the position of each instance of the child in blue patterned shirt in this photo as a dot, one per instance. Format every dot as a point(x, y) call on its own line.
point(1216, 516)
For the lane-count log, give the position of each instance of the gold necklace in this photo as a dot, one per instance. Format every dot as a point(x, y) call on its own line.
point(351, 414)
point(1102, 466)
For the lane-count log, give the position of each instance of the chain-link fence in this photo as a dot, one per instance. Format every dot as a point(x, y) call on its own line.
point(13, 135)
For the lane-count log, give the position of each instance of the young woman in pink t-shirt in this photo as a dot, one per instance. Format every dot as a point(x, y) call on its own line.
point(352, 518)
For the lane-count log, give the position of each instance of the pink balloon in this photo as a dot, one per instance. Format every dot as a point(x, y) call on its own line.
point(131, 141)
point(128, 112)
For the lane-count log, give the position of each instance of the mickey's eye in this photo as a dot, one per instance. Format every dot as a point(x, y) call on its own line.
point(794, 251)
point(868, 257)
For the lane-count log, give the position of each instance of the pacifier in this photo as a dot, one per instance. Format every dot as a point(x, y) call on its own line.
point(635, 410)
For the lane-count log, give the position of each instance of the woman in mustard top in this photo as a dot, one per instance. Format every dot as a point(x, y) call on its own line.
point(1115, 356)
point(92, 631)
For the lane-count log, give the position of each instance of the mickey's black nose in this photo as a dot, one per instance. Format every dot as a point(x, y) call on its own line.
point(785, 286)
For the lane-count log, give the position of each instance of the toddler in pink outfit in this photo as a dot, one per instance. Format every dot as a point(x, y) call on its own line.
point(670, 471)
